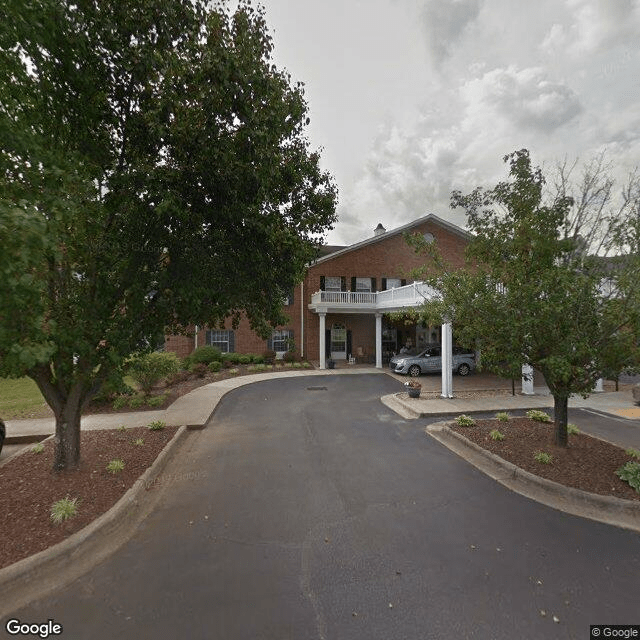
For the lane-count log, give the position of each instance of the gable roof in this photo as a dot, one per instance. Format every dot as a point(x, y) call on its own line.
point(430, 217)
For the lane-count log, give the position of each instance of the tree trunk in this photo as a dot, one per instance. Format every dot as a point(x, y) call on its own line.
point(67, 438)
point(560, 409)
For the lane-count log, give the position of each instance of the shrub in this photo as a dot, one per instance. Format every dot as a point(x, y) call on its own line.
point(306, 365)
point(234, 372)
point(290, 356)
point(630, 473)
point(257, 359)
point(572, 429)
point(157, 425)
point(200, 369)
point(177, 377)
point(122, 427)
point(64, 509)
point(538, 416)
point(233, 358)
point(244, 358)
point(120, 402)
point(113, 386)
point(115, 466)
point(156, 401)
point(257, 367)
point(148, 369)
point(138, 442)
point(135, 402)
point(296, 365)
point(496, 435)
point(503, 416)
point(38, 448)
point(205, 355)
point(634, 453)
point(465, 421)
point(215, 366)
point(541, 456)
point(269, 357)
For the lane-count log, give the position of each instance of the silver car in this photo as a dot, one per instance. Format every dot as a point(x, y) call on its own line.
point(430, 361)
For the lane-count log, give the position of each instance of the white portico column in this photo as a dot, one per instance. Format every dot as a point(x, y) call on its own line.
point(527, 380)
point(323, 346)
point(378, 341)
point(446, 351)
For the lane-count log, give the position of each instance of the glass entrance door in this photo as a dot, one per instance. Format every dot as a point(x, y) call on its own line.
point(338, 342)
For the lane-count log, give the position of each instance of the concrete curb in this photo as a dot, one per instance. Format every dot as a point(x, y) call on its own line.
point(615, 511)
point(57, 566)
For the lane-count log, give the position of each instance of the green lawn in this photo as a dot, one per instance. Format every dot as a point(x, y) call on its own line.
point(21, 398)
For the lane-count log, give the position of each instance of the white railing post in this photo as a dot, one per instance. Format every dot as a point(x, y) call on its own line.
point(378, 341)
point(527, 380)
point(446, 360)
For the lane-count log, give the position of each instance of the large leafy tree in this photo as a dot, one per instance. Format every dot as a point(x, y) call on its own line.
point(154, 172)
point(533, 292)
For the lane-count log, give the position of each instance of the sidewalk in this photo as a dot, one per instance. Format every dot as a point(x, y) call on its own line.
point(195, 408)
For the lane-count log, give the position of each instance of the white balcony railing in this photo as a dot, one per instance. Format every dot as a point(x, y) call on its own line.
point(410, 295)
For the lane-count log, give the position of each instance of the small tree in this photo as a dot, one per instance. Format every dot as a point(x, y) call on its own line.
point(154, 173)
point(531, 293)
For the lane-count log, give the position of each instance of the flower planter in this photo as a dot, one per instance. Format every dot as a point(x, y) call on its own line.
point(414, 393)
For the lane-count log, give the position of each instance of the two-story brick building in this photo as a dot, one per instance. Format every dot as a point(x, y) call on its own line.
point(338, 310)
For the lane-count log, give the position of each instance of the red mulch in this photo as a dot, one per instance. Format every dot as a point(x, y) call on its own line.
point(587, 463)
point(30, 487)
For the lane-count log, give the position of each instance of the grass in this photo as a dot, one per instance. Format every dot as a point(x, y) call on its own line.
point(64, 509)
point(115, 466)
point(20, 398)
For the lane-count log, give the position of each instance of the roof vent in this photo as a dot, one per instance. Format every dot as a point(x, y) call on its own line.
point(379, 230)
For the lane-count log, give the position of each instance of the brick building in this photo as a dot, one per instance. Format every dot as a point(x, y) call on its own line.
point(338, 310)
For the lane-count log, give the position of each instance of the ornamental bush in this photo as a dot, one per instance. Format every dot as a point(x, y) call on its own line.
point(205, 355)
point(149, 368)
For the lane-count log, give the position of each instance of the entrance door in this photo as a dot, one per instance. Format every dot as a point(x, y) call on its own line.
point(338, 342)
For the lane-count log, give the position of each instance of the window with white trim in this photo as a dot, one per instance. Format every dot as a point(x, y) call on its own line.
point(282, 340)
point(333, 283)
point(393, 283)
point(222, 339)
point(363, 284)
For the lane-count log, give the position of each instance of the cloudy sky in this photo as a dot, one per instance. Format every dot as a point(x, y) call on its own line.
point(413, 98)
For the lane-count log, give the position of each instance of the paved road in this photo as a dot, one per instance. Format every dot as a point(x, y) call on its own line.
point(307, 510)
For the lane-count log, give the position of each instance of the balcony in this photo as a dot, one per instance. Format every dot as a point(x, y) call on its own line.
point(411, 295)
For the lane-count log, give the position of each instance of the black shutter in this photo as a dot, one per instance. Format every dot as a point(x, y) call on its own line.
point(270, 341)
point(373, 285)
point(290, 296)
point(343, 283)
point(292, 344)
point(384, 284)
point(321, 283)
point(207, 338)
point(403, 283)
point(353, 284)
point(232, 341)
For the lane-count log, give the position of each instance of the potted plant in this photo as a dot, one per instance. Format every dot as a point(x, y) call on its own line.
point(331, 364)
point(414, 388)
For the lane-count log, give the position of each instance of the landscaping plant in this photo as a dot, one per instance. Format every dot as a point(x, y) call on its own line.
point(64, 509)
point(115, 466)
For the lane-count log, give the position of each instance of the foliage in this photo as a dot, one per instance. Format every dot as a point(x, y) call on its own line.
point(154, 172)
point(542, 457)
point(138, 442)
point(269, 356)
point(496, 435)
point(257, 359)
point(630, 472)
point(234, 372)
point(156, 401)
point(538, 416)
point(290, 356)
point(178, 377)
point(115, 466)
point(464, 420)
point(244, 358)
point(503, 416)
point(214, 367)
point(149, 368)
point(296, 365)
point(64, 509)
point(258, 367)
point(157, 425)
point(634, 453)
point(306, 365)
point(122, 428)
point(137, 401)
point(532, 291)
point(200, 369)
point(19, 398)
point(38, 448)
point(205, 354)
point(572, 429)
point(120, 402)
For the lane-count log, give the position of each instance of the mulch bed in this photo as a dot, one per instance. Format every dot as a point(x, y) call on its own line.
point(587, 463)
point(30, 487)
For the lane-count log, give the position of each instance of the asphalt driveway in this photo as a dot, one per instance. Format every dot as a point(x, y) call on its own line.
point(307, 510)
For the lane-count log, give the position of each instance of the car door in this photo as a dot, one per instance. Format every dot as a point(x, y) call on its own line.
point(432, 359)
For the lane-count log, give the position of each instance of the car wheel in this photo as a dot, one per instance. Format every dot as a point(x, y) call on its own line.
point(464, 369)
point(414, 370)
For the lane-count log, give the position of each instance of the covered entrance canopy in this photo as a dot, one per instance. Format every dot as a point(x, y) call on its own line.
point(376, 304)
